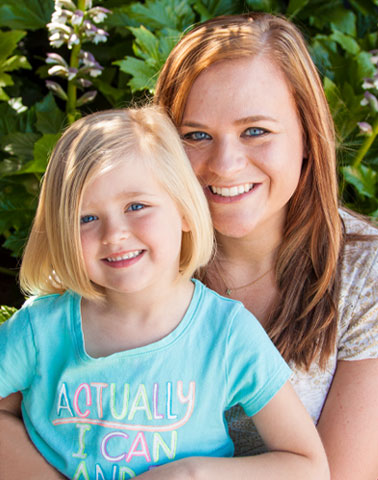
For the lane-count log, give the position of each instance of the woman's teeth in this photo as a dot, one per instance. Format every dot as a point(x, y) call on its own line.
point(232, 191)
point(126, 256)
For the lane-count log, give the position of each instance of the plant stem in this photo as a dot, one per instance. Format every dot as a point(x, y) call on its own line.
point(7, 271)
point(366, 144)
point(74, 63)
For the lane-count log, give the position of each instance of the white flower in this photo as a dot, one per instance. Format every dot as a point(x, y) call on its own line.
point(100, 36)
point(54, 58)
point(77, 18)
point(88, 4)
point(95, 72)
point(87, 97)
point(58, 70)
point(73, 40)
point(72, 72)
point(60, 16)
point(98, 14)
point(59, 27)
point(87, 58)
point(365, 127)
point(57, 39)
point(368, 83)
point(65, 4)
point(370, 99)
point(57, 89)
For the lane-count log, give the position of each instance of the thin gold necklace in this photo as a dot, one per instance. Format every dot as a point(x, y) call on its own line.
point(228, 290)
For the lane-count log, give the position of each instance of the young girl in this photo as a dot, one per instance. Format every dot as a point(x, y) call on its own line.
point(124, 362)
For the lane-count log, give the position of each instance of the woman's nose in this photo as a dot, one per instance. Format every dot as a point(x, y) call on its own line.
point(228, 158)
point(114, 231)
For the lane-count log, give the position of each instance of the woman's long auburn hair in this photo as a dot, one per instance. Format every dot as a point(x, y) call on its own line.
point(303, 323)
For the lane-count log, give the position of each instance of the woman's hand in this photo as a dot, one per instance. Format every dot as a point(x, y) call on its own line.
point(296, 451)
point(18, 456)
point(348, 424)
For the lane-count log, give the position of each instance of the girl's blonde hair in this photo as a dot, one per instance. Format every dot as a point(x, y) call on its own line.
point(303, 325)
point(53, 260)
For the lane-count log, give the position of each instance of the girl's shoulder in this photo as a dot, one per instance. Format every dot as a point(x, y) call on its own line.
point(38, 308)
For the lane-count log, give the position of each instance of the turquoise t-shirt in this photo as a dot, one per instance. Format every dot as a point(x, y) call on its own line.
point(117, 416)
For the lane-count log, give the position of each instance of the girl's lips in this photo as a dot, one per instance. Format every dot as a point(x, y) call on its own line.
point(122, 260)
point(228, 194)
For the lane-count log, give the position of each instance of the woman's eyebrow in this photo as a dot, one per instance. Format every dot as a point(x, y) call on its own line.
point(240, 121)
point(254, 118)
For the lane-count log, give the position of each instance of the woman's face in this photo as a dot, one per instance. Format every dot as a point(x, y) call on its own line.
point(244, 139)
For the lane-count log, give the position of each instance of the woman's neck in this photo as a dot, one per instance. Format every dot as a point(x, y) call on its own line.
point(258, 252)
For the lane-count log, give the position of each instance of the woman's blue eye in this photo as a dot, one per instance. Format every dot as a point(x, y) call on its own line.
point(134, 207)
point(88, 219)
point(254, 132)
point(196, 136)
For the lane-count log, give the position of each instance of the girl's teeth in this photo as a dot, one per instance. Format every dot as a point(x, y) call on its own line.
point(126, 256)
point(232, 191)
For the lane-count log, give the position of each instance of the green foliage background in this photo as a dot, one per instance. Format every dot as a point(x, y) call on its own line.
point(340, 35)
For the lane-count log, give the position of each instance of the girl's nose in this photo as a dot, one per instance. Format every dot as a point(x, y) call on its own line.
point(114, 231)
point(228, 158)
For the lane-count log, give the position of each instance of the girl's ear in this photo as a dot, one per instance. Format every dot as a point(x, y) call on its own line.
point(185, 225)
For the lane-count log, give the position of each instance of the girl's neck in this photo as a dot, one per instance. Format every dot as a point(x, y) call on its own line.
point(127, 321)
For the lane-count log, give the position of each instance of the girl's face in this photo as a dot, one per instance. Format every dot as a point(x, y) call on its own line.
point(130, 230)
point(244, 139)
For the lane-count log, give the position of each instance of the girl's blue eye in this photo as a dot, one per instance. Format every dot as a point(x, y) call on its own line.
point(254, 132)
point(88, 219)
point(135, 207)
point(196, 136)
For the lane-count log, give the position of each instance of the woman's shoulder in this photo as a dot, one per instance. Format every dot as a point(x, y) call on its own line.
point(356, 224)
point(361, 243)
point(358, 304)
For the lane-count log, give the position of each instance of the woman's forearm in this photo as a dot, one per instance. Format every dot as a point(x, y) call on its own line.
point(18, 456)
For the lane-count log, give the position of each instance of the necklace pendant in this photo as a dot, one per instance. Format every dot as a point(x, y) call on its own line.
point(228, 291)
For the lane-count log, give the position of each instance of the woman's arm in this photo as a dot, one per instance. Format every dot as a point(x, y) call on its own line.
point(18, 456)
point(286, 428)
point(348, 424)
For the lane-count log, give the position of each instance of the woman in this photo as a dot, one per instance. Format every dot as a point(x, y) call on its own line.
point(250, 107)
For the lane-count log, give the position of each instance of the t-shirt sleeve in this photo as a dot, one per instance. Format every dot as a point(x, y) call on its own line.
point(359, 340)
point(255, 368)
point(17, 353)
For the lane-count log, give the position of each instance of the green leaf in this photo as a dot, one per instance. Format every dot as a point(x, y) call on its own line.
point(295, 6)
point(348, 43)
point(5, 79)
point(42, 151)
point(6, 312)
point(50, 119)
point(19, 144)
point(30, 14)
point(213, 8)
point(343, 20)
point(14, 63)
point(146, 45)
point(158, 14)
point(144, 76)
point(363, 178)
point(17, 206)
point(9, 41)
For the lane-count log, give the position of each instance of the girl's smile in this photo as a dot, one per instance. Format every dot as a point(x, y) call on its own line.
point(121, 260)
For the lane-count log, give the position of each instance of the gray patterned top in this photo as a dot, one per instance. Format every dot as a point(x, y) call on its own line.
point(357, 337)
